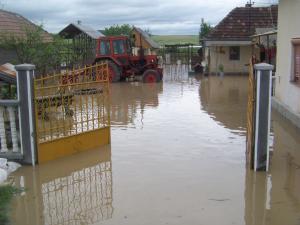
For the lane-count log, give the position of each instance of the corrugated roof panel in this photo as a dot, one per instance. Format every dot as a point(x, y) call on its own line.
point(74, 29)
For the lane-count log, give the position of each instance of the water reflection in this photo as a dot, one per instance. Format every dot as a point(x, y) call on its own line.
point(274, 198)
point(128, 99)
point(66, 191)
point(176, 72)
point(225, 99)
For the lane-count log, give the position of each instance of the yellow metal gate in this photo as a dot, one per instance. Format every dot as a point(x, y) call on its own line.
point(72, 111)
point(250, 117)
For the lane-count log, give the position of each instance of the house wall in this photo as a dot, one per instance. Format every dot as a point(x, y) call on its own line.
point(220, 55)
point(138, 40)
point(287, 94)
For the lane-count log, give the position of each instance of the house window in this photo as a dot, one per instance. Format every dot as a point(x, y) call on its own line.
point(296, 61)
point(234, 53)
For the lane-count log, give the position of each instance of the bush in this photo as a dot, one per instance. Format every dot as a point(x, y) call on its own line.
point(32, 48)
point(6, 194)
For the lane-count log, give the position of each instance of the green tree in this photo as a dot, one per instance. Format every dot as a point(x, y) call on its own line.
point(32, 48)
point(124, 29)
point(205, 28)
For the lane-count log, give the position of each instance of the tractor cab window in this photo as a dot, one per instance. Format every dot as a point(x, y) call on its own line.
point(118, 46)
point(104, 47)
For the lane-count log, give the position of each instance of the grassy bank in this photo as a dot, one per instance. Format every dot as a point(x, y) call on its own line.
point(175, 39)
point(6, 194)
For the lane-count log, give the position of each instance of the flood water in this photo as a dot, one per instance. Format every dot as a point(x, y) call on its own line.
point(177, 156)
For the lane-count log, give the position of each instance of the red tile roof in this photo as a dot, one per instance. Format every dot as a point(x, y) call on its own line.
point(241, 23)
point(8, 69)
point(15, 24)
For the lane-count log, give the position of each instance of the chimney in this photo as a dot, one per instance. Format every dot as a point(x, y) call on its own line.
point(249, 4)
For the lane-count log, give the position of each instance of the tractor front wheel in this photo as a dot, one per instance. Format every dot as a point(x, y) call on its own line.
point(151, 76)
point(114, 72)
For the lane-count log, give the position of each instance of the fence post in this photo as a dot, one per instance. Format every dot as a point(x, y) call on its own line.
point(25, 73)
point(263, 80)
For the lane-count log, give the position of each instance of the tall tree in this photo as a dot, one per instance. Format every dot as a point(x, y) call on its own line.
point(124, 29)
point(205, 28)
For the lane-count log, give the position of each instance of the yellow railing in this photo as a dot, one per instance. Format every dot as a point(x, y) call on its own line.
point(250, 116)
point(72, 102)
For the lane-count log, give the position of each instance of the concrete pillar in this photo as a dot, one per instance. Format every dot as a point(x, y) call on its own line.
point(25, 74)
point(263, 82)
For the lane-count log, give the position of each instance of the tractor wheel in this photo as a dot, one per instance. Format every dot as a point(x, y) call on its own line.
point(114, 72)
point(151, 76)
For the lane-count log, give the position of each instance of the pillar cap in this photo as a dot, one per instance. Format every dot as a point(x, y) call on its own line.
point(24, 67)
point(263, 66)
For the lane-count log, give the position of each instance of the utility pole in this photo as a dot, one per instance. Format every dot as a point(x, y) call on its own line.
point(249, 4)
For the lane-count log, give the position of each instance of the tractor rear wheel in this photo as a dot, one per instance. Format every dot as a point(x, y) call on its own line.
point(114, 72)
point(151, 76)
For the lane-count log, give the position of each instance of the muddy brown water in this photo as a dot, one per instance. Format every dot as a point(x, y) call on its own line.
point(177, 156)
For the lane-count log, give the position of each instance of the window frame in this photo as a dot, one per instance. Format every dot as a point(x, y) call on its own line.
point(119, 43)
point(294, 79)
point(106, 44)
point(238, 58)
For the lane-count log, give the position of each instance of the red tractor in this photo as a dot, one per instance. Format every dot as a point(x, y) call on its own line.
point(122, 64)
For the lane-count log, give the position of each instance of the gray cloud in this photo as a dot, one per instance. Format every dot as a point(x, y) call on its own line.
point(160, 16)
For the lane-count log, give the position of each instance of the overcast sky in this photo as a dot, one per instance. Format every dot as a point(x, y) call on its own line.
point(160, 16)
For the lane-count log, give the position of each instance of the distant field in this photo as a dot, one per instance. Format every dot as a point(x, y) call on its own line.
point(175, 39)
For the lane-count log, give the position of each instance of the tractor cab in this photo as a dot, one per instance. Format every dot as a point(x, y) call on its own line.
point(116, 47)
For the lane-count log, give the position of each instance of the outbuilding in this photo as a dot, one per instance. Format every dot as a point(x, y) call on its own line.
point(143, 40)
point(81, 42)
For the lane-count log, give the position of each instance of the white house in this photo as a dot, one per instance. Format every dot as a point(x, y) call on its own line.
point(287, 92)
point(229, 46)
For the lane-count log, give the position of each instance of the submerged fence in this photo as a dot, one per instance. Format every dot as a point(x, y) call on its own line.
point(84, 197)
point(66, 192)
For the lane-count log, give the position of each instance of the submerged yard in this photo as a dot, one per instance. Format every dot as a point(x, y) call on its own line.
point(177, 156)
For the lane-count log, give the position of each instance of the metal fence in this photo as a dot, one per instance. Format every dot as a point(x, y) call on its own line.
point(72, 102)
point(186, 53)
